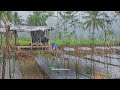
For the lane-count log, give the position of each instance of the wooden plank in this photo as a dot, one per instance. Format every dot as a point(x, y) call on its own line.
point(27, 47)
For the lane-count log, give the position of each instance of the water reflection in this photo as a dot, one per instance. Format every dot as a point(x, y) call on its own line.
point(79, 67)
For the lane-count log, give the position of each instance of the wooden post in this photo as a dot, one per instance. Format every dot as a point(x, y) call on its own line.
point(47, 34)
point(31, 41)
point(4, 65)
point(1, 40)
point(6, 55)
point(15, 36)
point(8, 49)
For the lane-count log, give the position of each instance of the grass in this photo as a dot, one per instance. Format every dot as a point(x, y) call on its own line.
point(84, 42)
point(31, 70)
point(20, 41)
point(23, 42)
point(65, 42)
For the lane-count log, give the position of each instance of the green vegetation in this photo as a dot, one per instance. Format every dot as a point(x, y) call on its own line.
point(83, 42)
point(26, 42)
point(67, 42)
point(20, 41)
point(23, 42)
point(11, 16)
point(39, 18)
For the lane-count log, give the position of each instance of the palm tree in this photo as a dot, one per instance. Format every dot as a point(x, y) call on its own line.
point(93, 20)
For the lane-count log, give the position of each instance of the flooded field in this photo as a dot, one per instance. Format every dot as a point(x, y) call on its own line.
point(83, 67)
point(60, 45)
point(67, 65)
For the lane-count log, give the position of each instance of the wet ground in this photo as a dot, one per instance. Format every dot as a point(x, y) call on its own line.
point(31, 70)
point(82, 67)
point(67, 66)
point(23, 68)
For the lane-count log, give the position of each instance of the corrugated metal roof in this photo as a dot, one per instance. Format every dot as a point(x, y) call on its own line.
point(24, 28)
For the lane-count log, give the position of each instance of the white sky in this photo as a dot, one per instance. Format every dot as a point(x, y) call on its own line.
point(50, 22)
point(24, 14)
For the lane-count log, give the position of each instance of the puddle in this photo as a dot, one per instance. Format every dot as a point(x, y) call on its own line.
point(102, 48)
point(85, 48)
point(83, 70)
point(113, 56)
point(104, 59)
point(116, 47)
point(69, 49)
point(80, 67)
point(62, 63)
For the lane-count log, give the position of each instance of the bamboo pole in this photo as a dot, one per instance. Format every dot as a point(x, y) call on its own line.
point(6, 54)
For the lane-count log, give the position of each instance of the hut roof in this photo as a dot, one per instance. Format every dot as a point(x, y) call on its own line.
point(33, 28)
point(24, 28)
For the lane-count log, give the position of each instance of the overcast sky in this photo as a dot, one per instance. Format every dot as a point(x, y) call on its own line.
point(51, 22)
point(24, 14)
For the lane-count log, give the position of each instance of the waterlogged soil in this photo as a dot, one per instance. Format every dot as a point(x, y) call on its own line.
point(31, 70)
point(29, 67)
point(79, 51)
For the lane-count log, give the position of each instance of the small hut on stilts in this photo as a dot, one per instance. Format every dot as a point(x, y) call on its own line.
point(40, 35)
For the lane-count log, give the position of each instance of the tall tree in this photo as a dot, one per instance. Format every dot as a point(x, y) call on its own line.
point(6, 55)
point(39, 18)
point(108, 25)
point(16, 18)
point(67, 19)
point(93, 20)
point(9, 15)
point(13, 17)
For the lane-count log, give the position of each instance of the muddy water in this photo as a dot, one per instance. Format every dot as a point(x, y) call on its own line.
point(67, 66)
point(80, 67)
point(59, 74)
point(77, 69)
